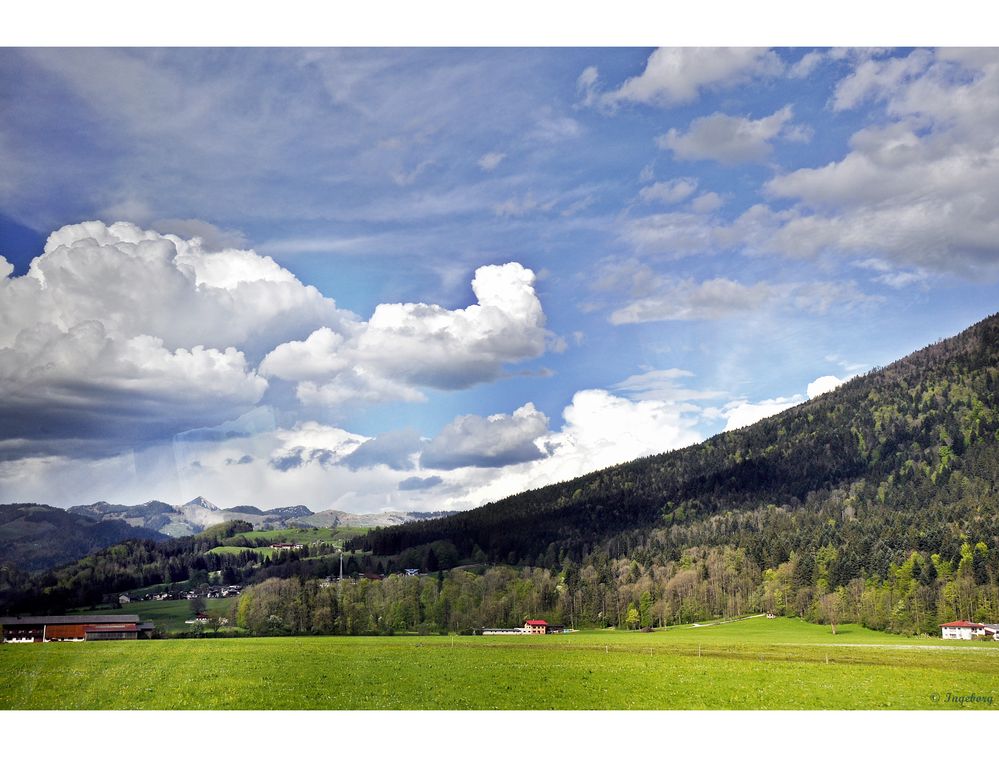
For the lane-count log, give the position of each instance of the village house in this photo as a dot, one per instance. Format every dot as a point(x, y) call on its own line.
point(966, 630)
point(46, 628)
point(283, 546)
point(529, 627)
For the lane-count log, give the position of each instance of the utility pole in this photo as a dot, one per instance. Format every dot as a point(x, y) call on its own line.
point(341, 564)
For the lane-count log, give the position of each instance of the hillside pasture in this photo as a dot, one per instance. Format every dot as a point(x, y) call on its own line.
point(262, 552)
point(755, 664)
point(334, 535)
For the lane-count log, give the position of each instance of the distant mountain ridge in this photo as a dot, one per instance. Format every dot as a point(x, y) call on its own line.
point(198, 514)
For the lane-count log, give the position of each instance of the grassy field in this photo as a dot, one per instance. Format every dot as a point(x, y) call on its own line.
point(261, 551)
point(335, 536)
point(168, 615)
point(753, 664)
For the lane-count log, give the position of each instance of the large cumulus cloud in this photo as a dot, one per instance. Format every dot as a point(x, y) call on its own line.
point(117, 336)
point(137, 282)
point(407, 346)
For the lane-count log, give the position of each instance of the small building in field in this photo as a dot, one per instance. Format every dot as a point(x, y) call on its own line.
point(46, 628)
point(529, 627)
point(961, 629)
point(124, 599)
point(286, 546)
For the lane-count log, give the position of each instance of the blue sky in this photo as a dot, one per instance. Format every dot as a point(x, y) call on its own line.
point(259, 281)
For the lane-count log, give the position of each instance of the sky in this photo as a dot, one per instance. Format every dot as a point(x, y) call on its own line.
point(428, 278)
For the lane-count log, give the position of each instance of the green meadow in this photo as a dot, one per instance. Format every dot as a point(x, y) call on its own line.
point(333, 535)
point(753, 664)
point(261, 551)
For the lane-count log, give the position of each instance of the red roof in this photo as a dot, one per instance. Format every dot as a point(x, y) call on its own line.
point(536, 623)
point(961, 624)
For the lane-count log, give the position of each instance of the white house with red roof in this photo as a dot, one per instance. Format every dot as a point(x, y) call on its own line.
point(961, 629)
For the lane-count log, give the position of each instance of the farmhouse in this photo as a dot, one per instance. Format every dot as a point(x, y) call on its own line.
point(45, 628)
point(283, 546)
point(529, 627)
point(965, 629)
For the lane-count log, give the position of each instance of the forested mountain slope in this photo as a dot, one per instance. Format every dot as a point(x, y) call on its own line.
point(905, 457)
point(33, 537)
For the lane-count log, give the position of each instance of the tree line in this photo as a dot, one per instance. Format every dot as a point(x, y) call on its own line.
point(918, 594)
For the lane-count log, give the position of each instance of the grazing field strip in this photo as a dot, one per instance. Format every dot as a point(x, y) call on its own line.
point(588, 670)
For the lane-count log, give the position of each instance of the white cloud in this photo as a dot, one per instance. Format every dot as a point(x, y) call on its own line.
point(312, 443)
point(404, 346)
point(138, 282)
point(492, 442)
point(600, 429)
point(669, 192)
point(662, 385)
point(823, 384)
point(81, 391)
point(879, 78)
point(112, 317)
point(741, 414)
point(552, 127)
point(356, 383)
point(318, 357)
point(706, 202)
point(432, 346)
point(729, 139)
point(676, 233)
point(491, 160)
point(397, 449)
point(148, 331)
point(686, 300)
point(603, 429)
point(473, 460)
point(744, 413)
point(677, 75)
point(806, 65)
point(212, 237)
point(917, 191)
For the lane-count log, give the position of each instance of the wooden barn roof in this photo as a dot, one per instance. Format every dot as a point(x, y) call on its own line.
point(75, 631)
point(37, 620)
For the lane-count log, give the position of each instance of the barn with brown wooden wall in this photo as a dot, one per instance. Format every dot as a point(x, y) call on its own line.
point(43, 628)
